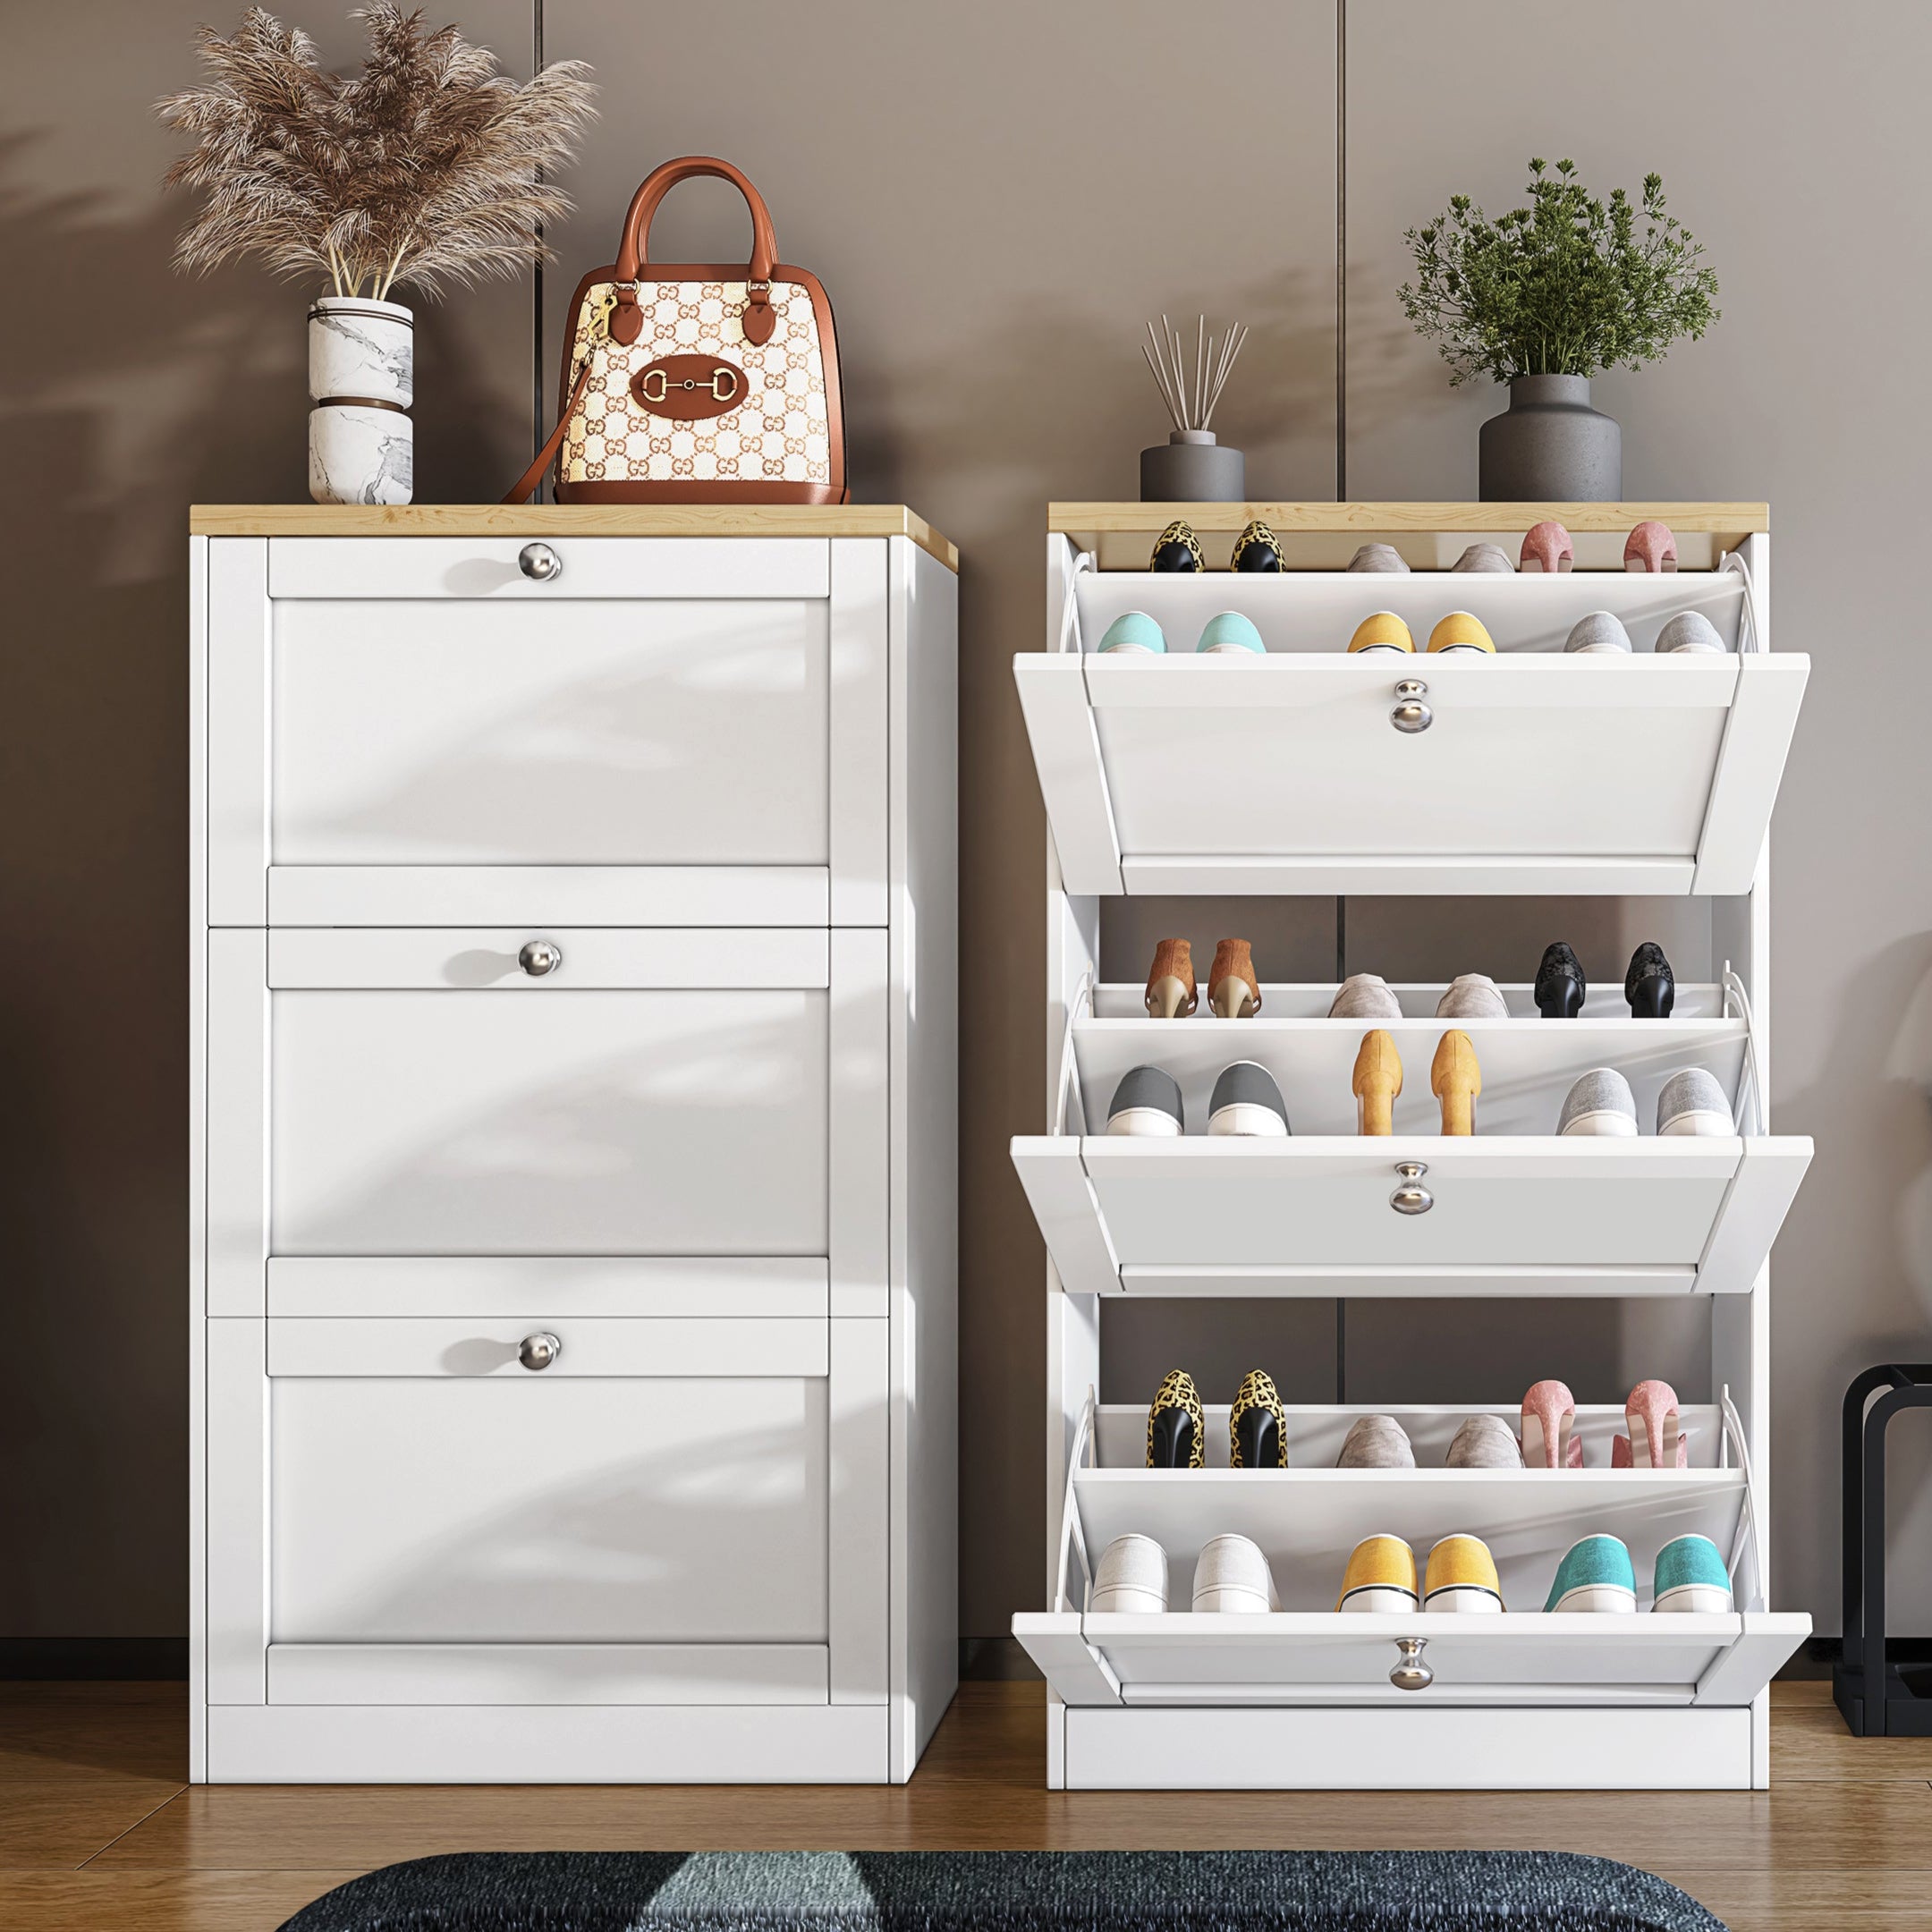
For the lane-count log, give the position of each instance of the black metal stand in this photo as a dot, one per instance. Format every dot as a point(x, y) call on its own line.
point(1877, 1697)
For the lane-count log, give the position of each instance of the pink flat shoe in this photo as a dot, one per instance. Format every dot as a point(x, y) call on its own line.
point(1650, 547)
point(1660, 1443)
point(1547, 547)
point(1548, 1424)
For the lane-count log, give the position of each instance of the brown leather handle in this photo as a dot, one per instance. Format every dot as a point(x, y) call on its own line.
point(634, 251)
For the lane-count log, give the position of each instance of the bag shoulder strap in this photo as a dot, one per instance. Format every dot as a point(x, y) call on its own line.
point(532, 478)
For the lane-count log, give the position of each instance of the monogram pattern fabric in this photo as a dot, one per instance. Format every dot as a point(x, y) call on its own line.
point(779, 433)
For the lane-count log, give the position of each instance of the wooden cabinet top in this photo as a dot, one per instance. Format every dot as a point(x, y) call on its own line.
point(571, 519)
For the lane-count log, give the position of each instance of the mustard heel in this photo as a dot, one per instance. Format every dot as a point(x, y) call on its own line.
point(1377, 1081)
point(1455, 1080)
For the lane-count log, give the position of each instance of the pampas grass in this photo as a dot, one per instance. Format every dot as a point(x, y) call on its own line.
point(427, 168)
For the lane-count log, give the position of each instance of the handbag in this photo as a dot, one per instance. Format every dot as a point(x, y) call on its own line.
point(696, 383)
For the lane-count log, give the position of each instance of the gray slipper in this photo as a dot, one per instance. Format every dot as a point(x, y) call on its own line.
point(1484, 559)
point(1364, 996)
point(1473, 996)
point(1381, 557)
point(1377, 1442)
point(1485, 1441)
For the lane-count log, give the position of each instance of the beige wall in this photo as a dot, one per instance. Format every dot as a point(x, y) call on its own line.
point(996, 195)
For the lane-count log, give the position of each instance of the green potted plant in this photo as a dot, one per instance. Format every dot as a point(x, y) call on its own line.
point(1544, 297)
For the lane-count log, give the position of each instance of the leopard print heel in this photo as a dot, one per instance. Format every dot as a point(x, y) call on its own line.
point(1176, 1428)
point(1258, 1424)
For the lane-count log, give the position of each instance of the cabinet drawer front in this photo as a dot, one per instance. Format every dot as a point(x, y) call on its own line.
point(544, 1287)
point(488, 959)
point(407, 1096)
point(428, 1345)
point(548, 1673)
point(485, 569)
point(575, 1122)
point(607, 746)
point(667, 1509)
point(596, 733)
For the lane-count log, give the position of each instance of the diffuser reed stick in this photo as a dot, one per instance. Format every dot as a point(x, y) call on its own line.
point(1191, 394)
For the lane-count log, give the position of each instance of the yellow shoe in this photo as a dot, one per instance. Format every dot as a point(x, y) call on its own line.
point(1377, 1081)
point(1462, 1575)
point(1383, 631)
point(1455, 1079)
point(1461, 632)
point(1380, 1576)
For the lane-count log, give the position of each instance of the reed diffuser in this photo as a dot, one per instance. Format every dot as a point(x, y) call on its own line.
point(1191, 466)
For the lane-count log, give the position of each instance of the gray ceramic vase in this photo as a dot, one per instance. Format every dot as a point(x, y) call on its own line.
point(1551, 447)
point(1191, 466)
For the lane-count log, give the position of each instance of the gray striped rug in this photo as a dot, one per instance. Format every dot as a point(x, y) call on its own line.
point(1006, 1892)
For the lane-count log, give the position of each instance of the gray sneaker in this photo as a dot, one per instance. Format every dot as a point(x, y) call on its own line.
point(1693, 1103)
point(1148, 1104)
point(1600, 1102)
point(1246, 1104)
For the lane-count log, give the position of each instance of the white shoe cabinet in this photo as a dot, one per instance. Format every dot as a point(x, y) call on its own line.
point(1539, 774)
point(574, 1210)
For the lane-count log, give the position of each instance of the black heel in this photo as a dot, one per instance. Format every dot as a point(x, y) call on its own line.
point(1560, 984)
point(1650, 986)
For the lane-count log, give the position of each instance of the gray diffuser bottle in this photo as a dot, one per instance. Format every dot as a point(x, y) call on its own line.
point(1191, 466)
point(1551, 447)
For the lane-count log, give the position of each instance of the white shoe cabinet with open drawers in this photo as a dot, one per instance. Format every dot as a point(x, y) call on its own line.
point(1539, 774)
point(574, 1200)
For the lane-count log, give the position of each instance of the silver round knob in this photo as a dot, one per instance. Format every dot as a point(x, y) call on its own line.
point(1412, 1197)
point(1411, 714)
point(538, 1351)
point(541, 956)
point(1410, 1672)
point(539, 562)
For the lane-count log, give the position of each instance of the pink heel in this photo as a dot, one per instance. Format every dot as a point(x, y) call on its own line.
point(1548, 1426)
point(1548, 548)
point(1650, 547)
point(1660, 1443)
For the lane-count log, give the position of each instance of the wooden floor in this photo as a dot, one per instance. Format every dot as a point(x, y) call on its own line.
point(98, 1832)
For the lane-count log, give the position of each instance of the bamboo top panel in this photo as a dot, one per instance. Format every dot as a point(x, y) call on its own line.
point(1430, 536)
point(571, 519)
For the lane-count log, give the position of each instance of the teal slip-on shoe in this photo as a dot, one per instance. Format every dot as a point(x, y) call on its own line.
point(1595, 1574)
point(1690, 1576)
point(1134, 630)
point(1228, 632)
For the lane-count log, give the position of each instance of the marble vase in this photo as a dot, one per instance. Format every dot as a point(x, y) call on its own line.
point(361, 382)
